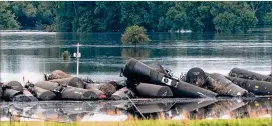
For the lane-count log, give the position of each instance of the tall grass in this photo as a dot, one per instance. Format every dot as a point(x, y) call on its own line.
point(218, 122)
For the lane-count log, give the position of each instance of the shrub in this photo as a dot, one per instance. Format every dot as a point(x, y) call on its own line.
point(135, 34)
point(65, 55)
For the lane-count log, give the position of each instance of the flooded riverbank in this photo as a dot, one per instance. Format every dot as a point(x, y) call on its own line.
point(32, 54)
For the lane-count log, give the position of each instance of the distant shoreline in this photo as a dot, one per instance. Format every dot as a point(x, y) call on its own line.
point(259, 28)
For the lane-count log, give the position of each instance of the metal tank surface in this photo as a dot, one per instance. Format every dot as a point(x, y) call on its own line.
point(12, 89)
point(73, 93)
point(57, 74)
point(196, 76)
point(254, 86)
point(223, 86)
point(25, 97)
point(107, 88)
point(123, 93)
point(153, 91)
point(67, 92)
point(72, 81)
point(135, 70)
point(42, 94)
point(246, 74)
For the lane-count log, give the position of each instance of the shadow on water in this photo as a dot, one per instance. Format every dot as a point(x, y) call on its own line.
point(174, 109)
point(136, 53)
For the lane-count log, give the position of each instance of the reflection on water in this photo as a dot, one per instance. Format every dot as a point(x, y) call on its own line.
point(136, 53)
point(31, 54)
point(175, 109)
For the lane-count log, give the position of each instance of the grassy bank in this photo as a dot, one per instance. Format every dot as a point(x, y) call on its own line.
point(231, 122)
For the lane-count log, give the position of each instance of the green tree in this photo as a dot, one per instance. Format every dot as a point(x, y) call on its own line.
point(262, 10)
point(162, 21)
point(109, 16)
point(135, 34)
point(64, 16)
point(25, 13)
point(226, 22)
point(248, 20)
point(33, 14)
point(45, 14)
point(233, 17)
point(133, 13)
point(7, 18)
point(194, 19)
point(176, 17)
point(86, 17)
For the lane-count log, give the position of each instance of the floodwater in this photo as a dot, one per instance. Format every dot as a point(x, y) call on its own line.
point(31, 54)
point(174, 109)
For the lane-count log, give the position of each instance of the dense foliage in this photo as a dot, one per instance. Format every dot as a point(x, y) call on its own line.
point(134, 34)
point(109, 16)
point(7, 18)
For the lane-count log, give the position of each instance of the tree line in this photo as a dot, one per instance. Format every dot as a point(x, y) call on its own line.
point(155, 16)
